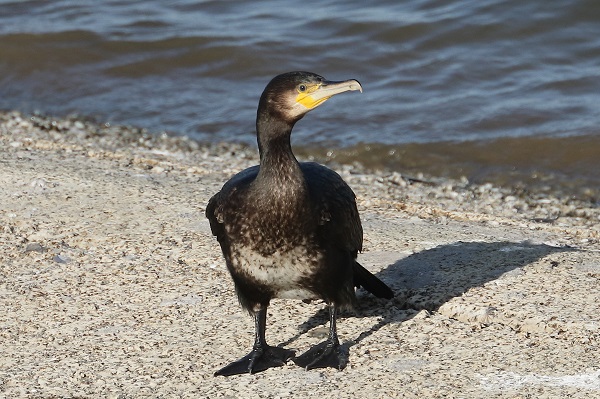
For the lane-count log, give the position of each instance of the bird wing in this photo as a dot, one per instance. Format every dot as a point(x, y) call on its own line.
point(336, 204)
point(214, 209)
point(340, 221)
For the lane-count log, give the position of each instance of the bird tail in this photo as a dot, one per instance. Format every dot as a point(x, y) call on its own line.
point(364, 278)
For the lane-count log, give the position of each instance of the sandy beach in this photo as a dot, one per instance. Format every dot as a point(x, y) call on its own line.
point(111, 285)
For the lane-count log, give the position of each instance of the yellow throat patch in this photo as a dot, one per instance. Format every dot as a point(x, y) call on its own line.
point(306, 99)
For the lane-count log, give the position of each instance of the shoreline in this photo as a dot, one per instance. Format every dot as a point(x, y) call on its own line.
point(74, 133)
point(114, 286)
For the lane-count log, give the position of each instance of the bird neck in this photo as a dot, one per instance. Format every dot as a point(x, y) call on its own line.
point(277, 161)
point(280, 186)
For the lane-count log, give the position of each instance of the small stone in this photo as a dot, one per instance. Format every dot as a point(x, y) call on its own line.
point(34, 247)
point(61, 259)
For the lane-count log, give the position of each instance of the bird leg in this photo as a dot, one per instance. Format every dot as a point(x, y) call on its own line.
point(262, 355)
point(328, 353)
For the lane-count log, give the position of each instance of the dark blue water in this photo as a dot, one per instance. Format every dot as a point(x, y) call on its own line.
point(482, 87)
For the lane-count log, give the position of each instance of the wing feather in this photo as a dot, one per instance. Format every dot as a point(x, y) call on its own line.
point(336, 204)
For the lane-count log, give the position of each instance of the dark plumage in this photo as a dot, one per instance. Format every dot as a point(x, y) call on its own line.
point(290, 229)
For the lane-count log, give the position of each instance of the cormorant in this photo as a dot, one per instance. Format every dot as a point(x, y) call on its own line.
point(290, 229)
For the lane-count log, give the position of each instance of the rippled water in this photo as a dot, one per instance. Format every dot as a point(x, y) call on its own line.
point(507, 91)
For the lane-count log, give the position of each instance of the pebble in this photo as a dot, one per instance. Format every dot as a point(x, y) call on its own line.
point(61, 259)
point(34, 247)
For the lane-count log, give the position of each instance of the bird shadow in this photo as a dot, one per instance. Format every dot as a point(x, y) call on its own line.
point(430, 278)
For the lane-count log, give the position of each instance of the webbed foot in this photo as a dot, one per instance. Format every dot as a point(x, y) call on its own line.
point(258, 360)
point(325, 354)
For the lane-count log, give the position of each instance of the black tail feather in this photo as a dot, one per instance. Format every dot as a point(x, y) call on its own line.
point(364, 278)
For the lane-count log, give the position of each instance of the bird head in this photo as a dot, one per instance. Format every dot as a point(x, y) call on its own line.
point(291, 95)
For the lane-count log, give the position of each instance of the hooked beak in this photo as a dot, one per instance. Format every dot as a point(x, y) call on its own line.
point(318, 93)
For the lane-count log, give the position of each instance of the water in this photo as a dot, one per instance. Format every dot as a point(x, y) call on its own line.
point(501, 91)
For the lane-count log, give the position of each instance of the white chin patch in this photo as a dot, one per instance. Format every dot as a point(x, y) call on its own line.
point(298, 110)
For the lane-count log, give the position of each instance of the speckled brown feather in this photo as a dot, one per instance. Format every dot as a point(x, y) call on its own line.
point(289, 229)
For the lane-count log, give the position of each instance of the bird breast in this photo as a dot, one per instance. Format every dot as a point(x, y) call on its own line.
point(284, 271)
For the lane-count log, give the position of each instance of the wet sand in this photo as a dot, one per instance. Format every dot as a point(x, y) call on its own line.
point(112, 285)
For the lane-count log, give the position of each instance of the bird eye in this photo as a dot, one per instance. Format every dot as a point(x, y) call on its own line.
point(302, 87)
